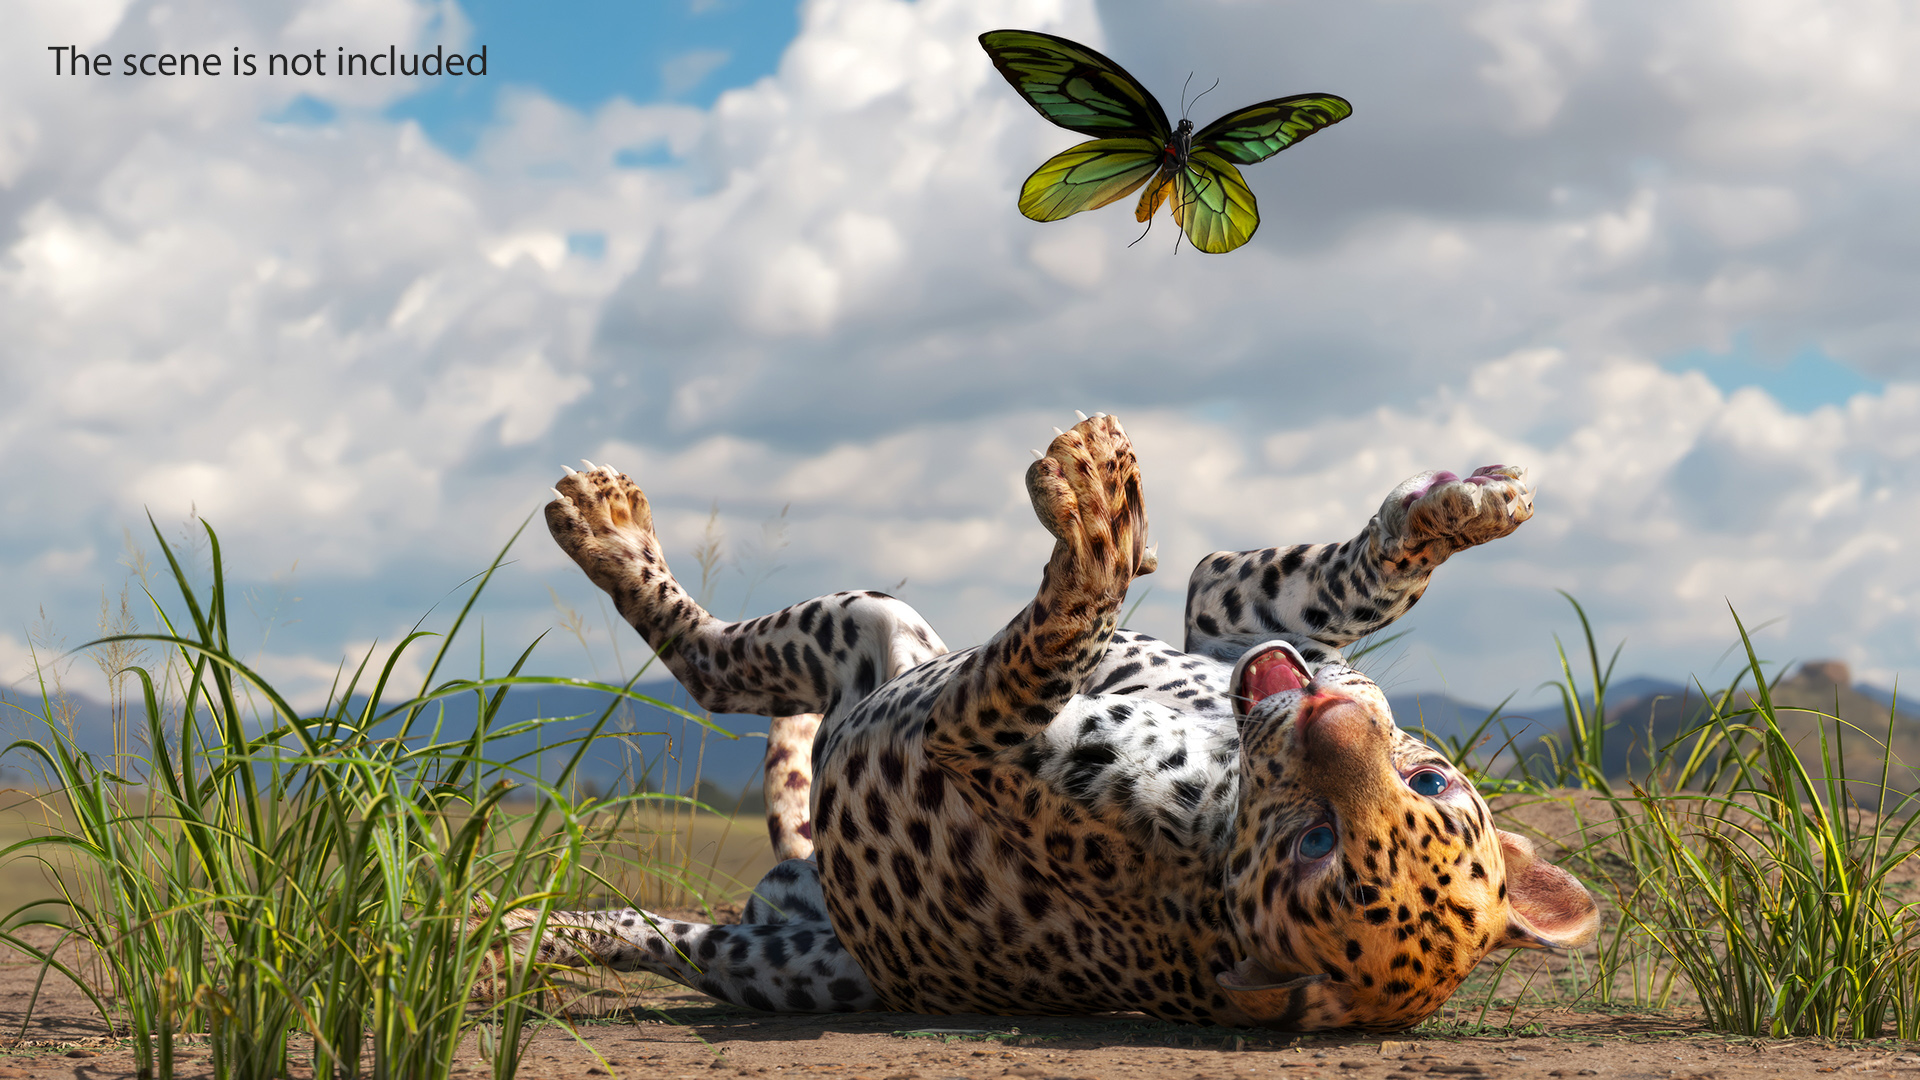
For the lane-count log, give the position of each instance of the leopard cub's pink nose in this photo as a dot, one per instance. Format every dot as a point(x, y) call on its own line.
point(1332, 722)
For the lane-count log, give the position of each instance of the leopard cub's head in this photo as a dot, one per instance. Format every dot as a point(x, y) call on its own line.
point(1366, 877)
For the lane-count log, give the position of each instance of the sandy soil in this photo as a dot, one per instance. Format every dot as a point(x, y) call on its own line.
point(666, 1033)
point(685, 1037)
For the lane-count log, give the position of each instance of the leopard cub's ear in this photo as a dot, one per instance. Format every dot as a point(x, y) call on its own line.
point(1288, 999)
point(1547, 908)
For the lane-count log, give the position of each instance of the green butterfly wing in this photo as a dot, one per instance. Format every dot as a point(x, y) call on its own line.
point(1088, 176)
point(1212, 202)
point(1258, 132)
point(1081, 90)
point(1074, 86)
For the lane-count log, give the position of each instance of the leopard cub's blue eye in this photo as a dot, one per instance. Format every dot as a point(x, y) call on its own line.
point(1428, 782)
point(1316, 842)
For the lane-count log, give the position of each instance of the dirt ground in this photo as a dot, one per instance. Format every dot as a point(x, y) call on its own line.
point(688, 1037)
point(1503, 1032)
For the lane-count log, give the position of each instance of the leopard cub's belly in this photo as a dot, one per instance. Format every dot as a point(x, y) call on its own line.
point(1051, 897)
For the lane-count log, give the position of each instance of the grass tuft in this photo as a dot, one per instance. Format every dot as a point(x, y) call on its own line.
point(1767, 884)
point(1752, 869)
point(329, 885)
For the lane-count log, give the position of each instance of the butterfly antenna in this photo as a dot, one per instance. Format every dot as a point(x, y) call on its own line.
point(1196, 100)
point(1183, 94)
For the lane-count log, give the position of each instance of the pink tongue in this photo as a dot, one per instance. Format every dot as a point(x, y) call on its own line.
point(1268, 675)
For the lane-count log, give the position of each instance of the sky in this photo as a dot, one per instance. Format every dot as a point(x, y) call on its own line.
point(765, 258)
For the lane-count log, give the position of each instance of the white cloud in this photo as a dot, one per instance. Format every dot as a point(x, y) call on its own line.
point(17, 664)
point(1075, 254)
point(689, 69)
point(1540, 48)
point(343, 345)
point(1743, 217)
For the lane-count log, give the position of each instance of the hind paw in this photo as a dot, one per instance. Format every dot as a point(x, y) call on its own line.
point(1086, 491)
point(602, 521)
point(1433, 515)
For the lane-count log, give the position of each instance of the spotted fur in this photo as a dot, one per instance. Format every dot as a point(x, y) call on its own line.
point(1073, 818)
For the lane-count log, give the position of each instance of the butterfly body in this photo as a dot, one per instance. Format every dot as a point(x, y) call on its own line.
point(1134, 144)
point(1179, 147)
point(1173, 162)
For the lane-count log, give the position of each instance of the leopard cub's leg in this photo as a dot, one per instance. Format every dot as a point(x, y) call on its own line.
point(788, 784)
point(1086, 492)
point(1323, 597)
point(789, 893)
point(793, 966)
point(813, 658)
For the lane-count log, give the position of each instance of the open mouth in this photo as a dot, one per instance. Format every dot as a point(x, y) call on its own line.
point(1266, 670)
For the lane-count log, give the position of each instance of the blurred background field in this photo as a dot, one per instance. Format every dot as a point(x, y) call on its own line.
point(700, 858)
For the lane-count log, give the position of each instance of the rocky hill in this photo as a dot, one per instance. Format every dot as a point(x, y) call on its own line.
point(1644, 728)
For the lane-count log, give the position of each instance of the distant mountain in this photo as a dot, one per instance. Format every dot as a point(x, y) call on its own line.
point(1907, 698)
point(1445, 717)
point(664, 751)
point(667, 753)
point(1441, 716)
point(1640, 686)
point(1640, 724)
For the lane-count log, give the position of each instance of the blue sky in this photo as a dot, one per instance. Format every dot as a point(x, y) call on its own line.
point(765, 257)
point(1801, 380)
point(662, 50)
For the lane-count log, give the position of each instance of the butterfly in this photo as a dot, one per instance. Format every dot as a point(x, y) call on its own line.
point(1081, 90)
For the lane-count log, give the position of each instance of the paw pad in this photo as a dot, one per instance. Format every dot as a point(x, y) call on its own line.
point(1436, 514)
point(1086, 491)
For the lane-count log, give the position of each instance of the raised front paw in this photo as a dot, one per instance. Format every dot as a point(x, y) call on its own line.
point(1086, 491)
point(602, 521)
point(1435, 514)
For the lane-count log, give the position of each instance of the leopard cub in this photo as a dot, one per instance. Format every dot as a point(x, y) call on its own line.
point(1074, 818)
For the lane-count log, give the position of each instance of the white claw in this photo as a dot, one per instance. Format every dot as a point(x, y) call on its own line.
point(557, 495)
point(611, 470)
point(1081, 415)
point(566, 470)
point(590, 465)
point(1099, 416)
point(1037, 455)
point(1057, 431)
